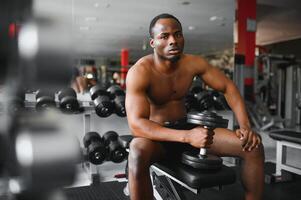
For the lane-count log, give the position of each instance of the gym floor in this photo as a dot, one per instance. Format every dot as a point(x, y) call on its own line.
point(114, 191)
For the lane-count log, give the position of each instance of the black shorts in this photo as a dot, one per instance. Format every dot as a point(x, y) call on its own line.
point(174, 150)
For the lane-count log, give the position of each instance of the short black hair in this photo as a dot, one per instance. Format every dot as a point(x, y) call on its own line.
point(161, 16)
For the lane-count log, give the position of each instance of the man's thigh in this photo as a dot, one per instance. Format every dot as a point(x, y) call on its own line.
point(225, 143)
point(173, 150)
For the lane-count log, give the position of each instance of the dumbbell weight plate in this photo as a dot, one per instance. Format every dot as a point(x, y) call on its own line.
point(207, 117)
point(103, 106)
point(69, 104)
point(97, 153)
point(194, 160)
point(45, 102)
point(110, 136)
point(116, 90)
point(66, 92)
point(95, 147)
point(120, 106)
point(97, 91)
point(204, 123)
point(116, 151)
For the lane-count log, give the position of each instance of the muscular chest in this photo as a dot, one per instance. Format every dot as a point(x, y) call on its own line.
point(168, 88)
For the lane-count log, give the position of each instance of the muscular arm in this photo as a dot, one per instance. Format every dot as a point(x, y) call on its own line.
point(218, 81)
point(138, 109)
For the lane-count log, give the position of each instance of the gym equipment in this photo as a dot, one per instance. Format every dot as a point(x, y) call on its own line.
point(277, 87)
point(44, 100)
point(54, 153)
point(68, 100)
point(118, 96)
point(284, 139)
point(50, 66)
point(201, 160)
point(195, 88)
point(95, 146)
point(204, 100)
point(104, 107)
point(116, 152)
point(219, 101)
point(190, 102)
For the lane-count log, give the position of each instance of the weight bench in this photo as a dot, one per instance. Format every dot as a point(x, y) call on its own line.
point(284, 139)
point(186, 176)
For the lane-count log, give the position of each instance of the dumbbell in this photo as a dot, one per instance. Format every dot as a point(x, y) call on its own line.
point(44, 100)
point(190, 102)
point(116, 152)
point(219, 101)
point(204, 100)
point(195, 88)
point(118, 96)
point(104, 107)
point(95, 148)
point(201, 160)
point(68, 100)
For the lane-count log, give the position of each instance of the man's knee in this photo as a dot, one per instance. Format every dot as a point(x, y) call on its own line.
point(140, 154)
point(256, 153)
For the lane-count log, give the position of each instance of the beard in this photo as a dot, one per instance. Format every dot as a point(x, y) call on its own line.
point(172, 59)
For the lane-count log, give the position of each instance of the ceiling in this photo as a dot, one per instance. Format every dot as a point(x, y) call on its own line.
point(278, 20)
point(101, 28)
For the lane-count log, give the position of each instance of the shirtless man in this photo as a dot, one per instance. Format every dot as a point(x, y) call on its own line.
point(156, 87)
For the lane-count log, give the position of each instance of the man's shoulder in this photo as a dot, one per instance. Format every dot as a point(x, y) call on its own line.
point(143, 65)
point(192, 57)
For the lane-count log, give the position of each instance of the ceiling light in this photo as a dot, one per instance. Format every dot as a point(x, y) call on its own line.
point(28, 41)
point(191, 28)
point(217, 18)
point(96, 5)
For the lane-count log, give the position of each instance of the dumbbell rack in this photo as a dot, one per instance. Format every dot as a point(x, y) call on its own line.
point(86, 103)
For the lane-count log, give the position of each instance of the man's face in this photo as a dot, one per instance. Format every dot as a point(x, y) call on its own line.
point(168, 40)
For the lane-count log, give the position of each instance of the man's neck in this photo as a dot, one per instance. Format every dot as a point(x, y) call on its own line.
point(164, 65)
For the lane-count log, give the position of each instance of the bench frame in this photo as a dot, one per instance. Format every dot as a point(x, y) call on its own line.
point(281, 152)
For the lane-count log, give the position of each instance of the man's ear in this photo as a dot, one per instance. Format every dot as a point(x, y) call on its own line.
point(151, 42)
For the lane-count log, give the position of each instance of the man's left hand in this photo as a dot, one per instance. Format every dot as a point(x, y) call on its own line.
point(249, 138)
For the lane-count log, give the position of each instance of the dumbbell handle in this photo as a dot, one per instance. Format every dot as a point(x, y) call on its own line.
point(203, 151)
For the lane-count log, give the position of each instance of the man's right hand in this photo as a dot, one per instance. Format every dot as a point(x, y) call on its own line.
point(200, 137)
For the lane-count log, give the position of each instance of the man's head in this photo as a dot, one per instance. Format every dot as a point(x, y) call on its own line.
point(166, 37)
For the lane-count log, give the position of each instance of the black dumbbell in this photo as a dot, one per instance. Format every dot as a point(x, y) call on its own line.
point(68, 100)
point(201, 160)
point(104, 107)
point(116, 152)
point(95, 148)
point(44, 100)
point(219, 101)
point(204, 100)
point(190, 102)
point(118, 96)
point(195, 88)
